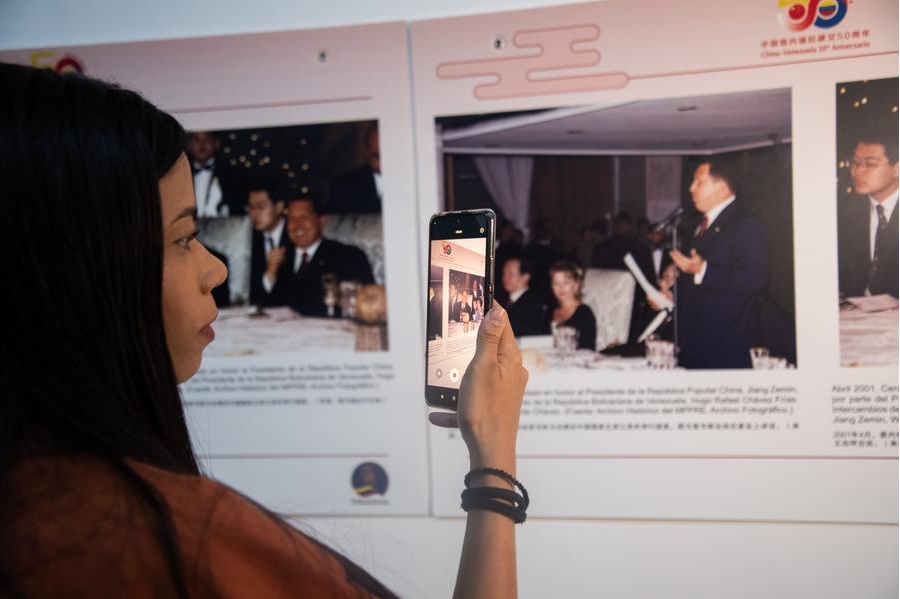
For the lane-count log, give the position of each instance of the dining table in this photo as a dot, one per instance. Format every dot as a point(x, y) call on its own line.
point(246, 331)
point(869, 338)
point(539, 355)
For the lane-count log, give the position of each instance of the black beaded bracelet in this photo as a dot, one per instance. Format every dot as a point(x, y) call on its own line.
point(479, 472)
point(515, 514)
point(494, 493)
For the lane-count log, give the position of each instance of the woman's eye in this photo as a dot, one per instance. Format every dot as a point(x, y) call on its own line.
point(185, 242)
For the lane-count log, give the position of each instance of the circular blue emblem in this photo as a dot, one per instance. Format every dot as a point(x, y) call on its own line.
point(369, 479)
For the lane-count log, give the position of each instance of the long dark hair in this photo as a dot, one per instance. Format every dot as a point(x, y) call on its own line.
point(83, 361)
point(84, 366)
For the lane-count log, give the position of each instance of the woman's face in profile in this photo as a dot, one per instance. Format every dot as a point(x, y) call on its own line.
point(189, 274)
point(565, 286)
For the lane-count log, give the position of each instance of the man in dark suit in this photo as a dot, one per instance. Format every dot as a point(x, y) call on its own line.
point(463, 307)
point(268, 246)
point(867, 226)
point(525, 309)
point(310, 257)
point(505, 249)
point(217, 186)
point(359, 191)
point(722, 276)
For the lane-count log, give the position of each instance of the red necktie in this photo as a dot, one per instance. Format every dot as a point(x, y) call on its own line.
point(702, 228)
point(304, 260)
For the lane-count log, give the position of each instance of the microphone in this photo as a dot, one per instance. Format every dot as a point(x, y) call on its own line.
point(669, 220)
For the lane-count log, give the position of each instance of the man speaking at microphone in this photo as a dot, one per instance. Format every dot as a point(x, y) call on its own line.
point(724, 271)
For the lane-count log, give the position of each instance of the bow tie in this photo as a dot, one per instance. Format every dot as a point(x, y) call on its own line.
point(204, 166)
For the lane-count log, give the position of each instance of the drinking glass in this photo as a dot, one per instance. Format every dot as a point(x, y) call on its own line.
point(329, 292)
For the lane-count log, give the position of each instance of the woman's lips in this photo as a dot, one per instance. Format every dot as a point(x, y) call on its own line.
point(208, 333)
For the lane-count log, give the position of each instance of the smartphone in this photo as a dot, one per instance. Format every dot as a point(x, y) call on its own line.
point(460, 291)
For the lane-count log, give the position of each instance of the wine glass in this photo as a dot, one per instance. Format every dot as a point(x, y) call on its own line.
point(329, 292)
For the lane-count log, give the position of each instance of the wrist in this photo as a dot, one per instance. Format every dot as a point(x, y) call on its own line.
point(509, 499)
point(505, 463)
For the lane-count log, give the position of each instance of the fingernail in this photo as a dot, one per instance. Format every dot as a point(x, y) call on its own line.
point(495, 316)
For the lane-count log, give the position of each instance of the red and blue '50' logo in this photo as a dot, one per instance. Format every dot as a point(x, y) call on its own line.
point(798, 15)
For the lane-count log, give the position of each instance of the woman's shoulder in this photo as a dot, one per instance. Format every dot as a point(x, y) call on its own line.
point(87, 526)
point(583, 312)
point(244, 546)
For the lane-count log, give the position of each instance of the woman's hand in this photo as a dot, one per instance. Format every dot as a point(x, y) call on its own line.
point(490, 396)
point(490, 399)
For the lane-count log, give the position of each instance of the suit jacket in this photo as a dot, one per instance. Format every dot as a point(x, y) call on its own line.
point(460, 308)
point(304, 289)
point(354, 193)
point(854, 255)
point(527, 314)
point(718, 320)
point(258, 294)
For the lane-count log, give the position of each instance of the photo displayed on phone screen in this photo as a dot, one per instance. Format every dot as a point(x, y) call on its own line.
point(456, 307)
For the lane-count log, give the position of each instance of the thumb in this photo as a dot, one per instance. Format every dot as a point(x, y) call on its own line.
point(444, 419)
point(490, 333)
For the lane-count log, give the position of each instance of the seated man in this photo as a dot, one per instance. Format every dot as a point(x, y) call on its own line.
point(526, 310)
point(269, 245)
point(867, 220)
point(310, 256)
point(463, 307)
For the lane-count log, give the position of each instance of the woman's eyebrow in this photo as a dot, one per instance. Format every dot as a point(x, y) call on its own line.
point(187, 212)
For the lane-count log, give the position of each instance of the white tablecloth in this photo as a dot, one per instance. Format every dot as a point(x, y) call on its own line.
point(538, 355)
point(279, 330)
point(869, 338)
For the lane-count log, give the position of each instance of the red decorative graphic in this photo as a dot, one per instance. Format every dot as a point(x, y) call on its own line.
point(541, 73)
point(68, 64)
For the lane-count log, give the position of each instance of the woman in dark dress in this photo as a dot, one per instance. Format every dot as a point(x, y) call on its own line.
point(565, 280)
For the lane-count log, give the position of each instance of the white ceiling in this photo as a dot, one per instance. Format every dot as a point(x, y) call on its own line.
point(682, 126)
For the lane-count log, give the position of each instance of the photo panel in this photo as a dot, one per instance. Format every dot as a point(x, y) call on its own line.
point(577, 189)
point(866, 140)
point(304, 377)
point(266, 198)
point(556, 121)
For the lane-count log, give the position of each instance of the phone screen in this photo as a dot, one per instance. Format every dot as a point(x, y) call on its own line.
point(460, 287)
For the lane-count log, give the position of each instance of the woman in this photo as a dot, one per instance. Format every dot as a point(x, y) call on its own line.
point(110, 308)
point(565, 281)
